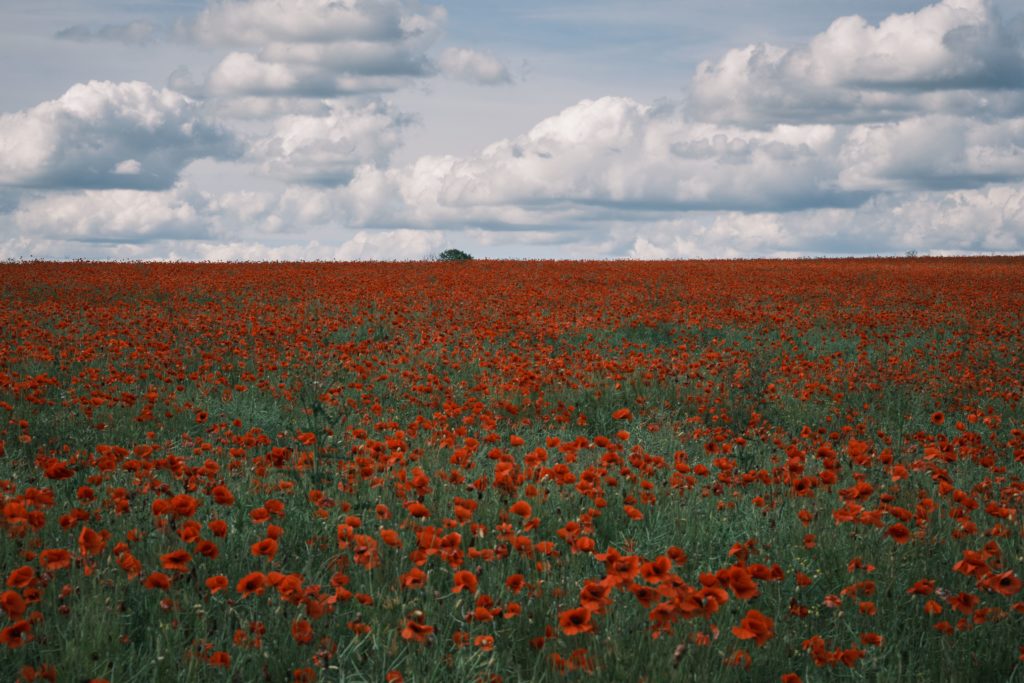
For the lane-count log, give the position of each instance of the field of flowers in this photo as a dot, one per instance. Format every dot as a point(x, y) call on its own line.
point(513, 471)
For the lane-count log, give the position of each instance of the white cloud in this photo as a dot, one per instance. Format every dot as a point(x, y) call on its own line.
point(317, 48)
point(95, 131)
point(390, 245)
point(960, 222)
point(617, 155)
point(127, 216)
point(932, 152)
point(258, 22)
point(327, 149)
point(936, 59)
point(473, 67)
point(908, 134)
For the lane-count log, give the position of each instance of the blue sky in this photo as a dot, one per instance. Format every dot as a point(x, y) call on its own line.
point(392, 129)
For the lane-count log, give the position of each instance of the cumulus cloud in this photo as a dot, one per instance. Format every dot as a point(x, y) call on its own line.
point(108, 135)
point(618, 155)
point(935, 59)
point(124, 216)
point(132, 33)
point(257, 22)
point(316, 48)
point(473, 67)
point(327, 149)
point(985, 220)
point(391, 245)
point(908, 134)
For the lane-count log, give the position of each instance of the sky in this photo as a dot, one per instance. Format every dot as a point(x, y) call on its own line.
point(563, 129)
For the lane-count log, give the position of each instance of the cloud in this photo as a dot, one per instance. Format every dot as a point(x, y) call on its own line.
point(132, 33)
point(954, 56)
point(979, 221)
point(392, 245)
point(113, 216)
point(316, 48)
point(473, 67)
point(327, 149)
point(617, 156)
point(108, 135)
point(258, 22)
point(932, 152)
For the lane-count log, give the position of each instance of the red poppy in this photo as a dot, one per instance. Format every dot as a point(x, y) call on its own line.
point(417, 631)
point(521, 508)
point(13, 604)
point(464, 579)
point(575, 621)
point(222, 496)
point(53, 559)
point(21, 577)
point(1006, 583)
point(158, 581)
point(302, 631)
point(16, 635)
point(265, 548)
point(756, 626)
point(90, 542)
point(220, 659)
point(899, 533)
point(414, 578)
point(176, 561)
point(216, 583)
point(251, 583)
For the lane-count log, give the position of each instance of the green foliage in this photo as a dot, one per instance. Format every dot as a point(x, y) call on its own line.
point(454, 255)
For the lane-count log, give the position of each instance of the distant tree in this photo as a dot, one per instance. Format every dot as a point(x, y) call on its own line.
point(454, 255)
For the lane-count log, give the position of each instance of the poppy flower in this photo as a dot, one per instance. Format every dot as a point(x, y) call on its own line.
point(183, 505)
point(417, 631)
point(157, 581)
point(417, 510)
point(53, 559)
point(756, 626)
point(216, 583)
point(16, 635)
point(90, 542)
point(1005, 583)
point(521, 508)
point(302, 631)
point(222, 495)
point(899, 533)
point(13, 604)
point(464, 579)
point(515, 582)
point(265, 548)
point(220, 659)
point(741, 583)
point(251, 583)
point(21, 577)
point(594, 596)
point(575, 621)
point(622, 414)
point(176, 561)
point(414, 578)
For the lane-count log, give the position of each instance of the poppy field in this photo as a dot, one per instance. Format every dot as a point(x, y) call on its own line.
point(513, 471)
